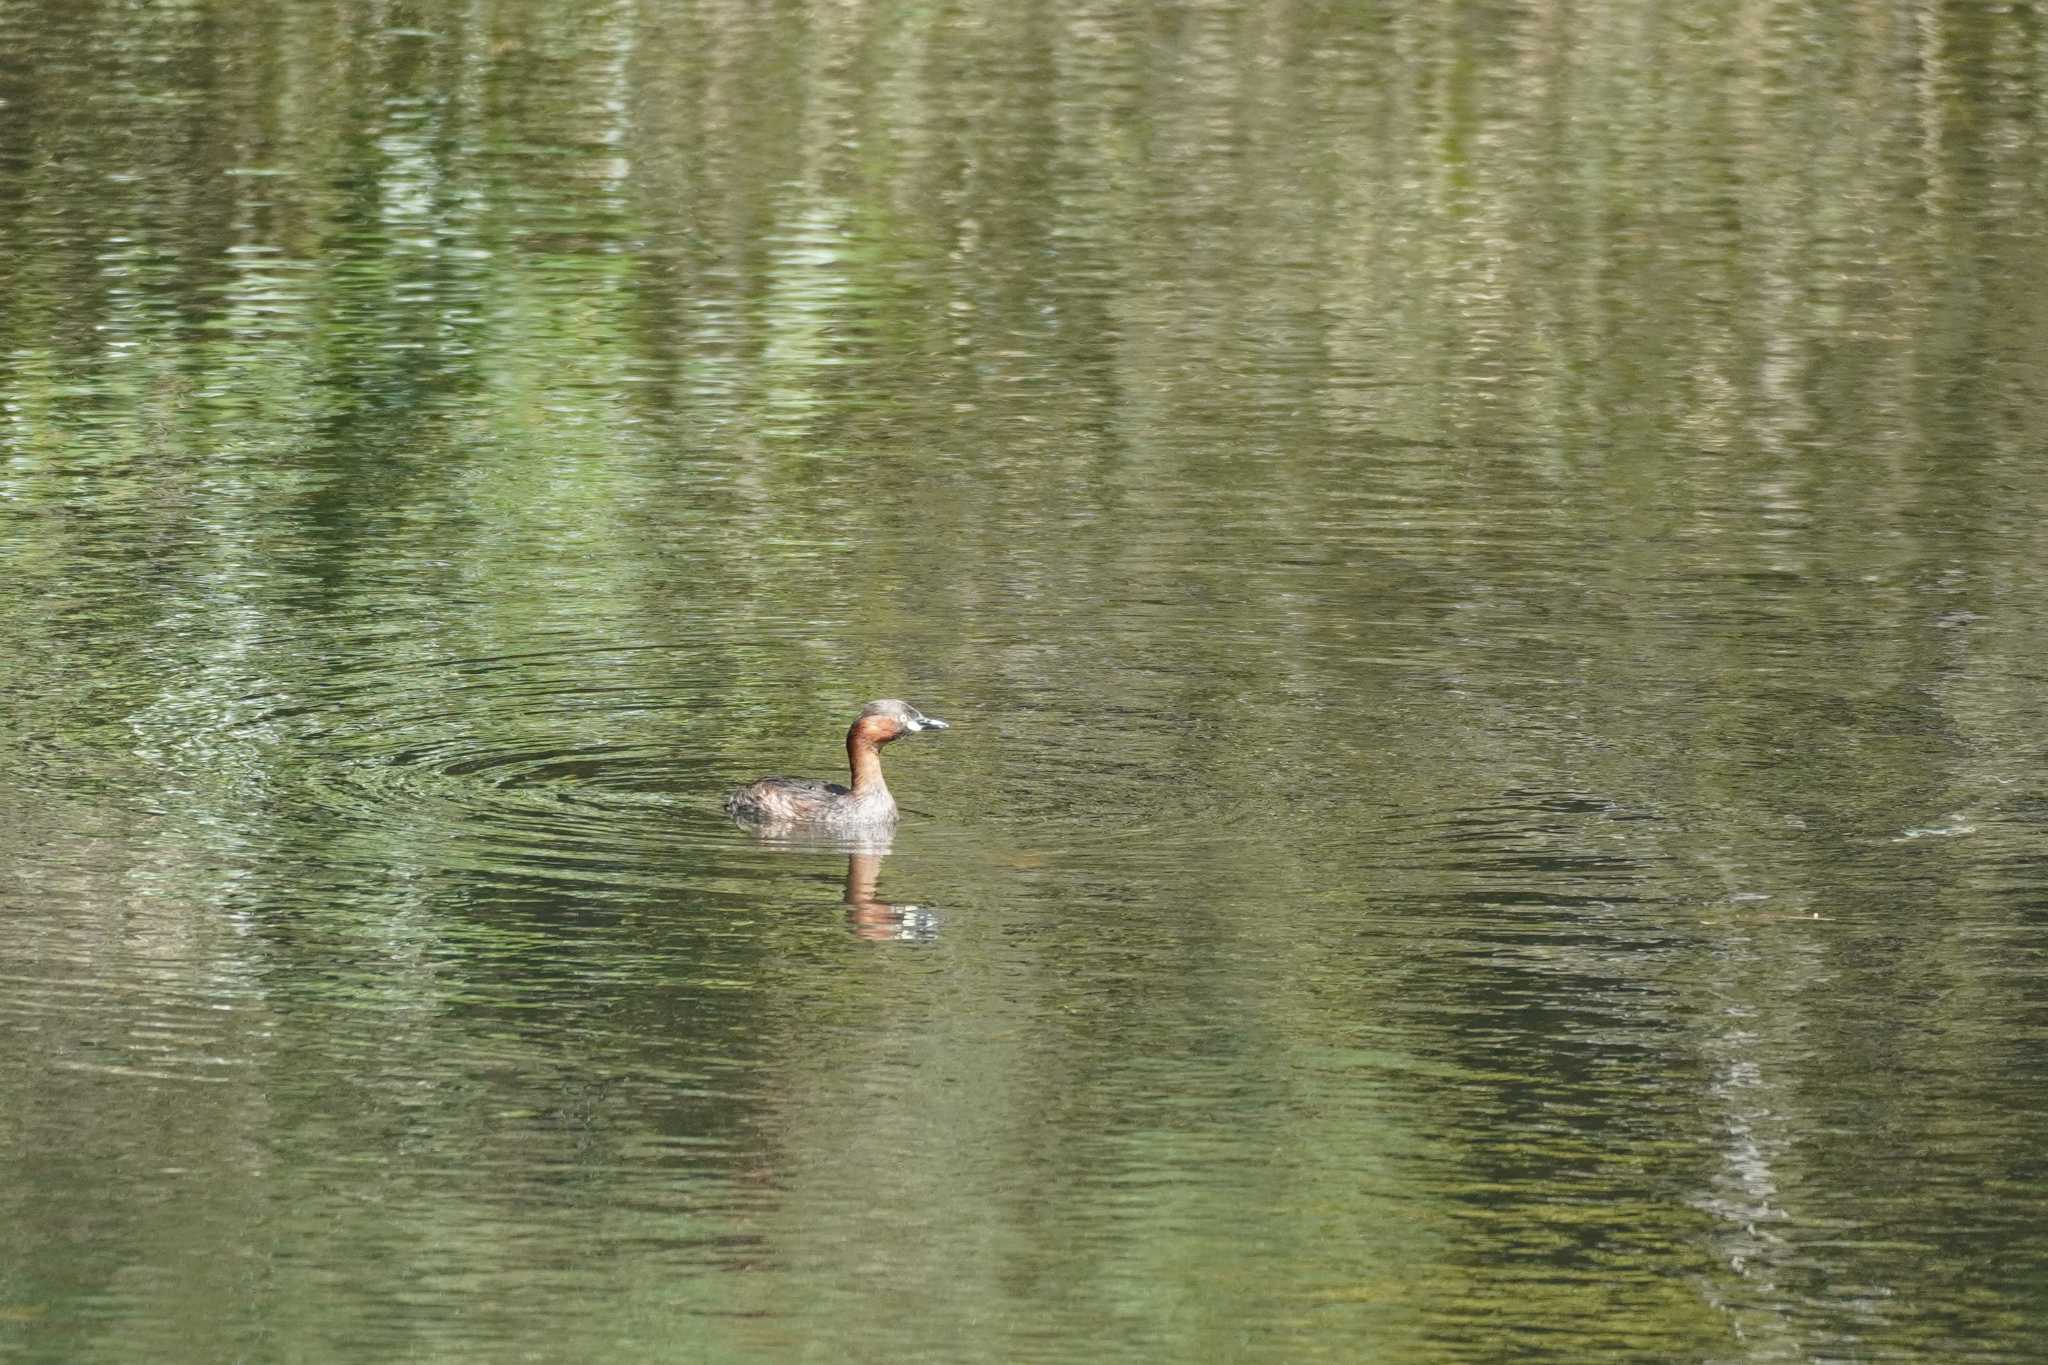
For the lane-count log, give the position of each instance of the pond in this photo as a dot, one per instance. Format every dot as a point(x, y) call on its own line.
point(1487, 565)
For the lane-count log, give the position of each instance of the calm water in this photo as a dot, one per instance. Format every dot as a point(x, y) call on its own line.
point(1488, 565)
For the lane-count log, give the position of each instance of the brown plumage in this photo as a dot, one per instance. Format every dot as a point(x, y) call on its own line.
point(795, 802)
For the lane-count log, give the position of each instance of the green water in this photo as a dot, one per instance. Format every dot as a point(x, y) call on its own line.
point(1488, 564)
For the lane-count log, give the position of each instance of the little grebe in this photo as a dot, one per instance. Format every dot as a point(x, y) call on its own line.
point(792, 801)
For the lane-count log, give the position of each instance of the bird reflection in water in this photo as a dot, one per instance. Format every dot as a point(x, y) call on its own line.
point(873, 918)
point(867, 914)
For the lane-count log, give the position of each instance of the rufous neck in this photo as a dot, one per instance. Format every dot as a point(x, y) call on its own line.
point(866, 761)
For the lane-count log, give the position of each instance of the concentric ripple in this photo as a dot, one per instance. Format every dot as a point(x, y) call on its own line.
point(514, 763)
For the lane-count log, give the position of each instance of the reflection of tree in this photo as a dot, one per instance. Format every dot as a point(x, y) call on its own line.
point(1628, 416)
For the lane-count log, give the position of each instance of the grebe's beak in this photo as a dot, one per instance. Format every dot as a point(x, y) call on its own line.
point(924, 722)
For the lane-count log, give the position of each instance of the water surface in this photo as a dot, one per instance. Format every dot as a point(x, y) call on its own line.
point(1486, 566)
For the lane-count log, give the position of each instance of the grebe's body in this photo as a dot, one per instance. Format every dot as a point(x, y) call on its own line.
point(788, 803)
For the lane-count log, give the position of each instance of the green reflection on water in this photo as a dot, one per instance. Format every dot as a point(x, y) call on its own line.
point(1485, 560)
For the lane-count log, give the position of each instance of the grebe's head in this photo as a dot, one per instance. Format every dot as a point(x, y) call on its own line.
point(882, 721)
